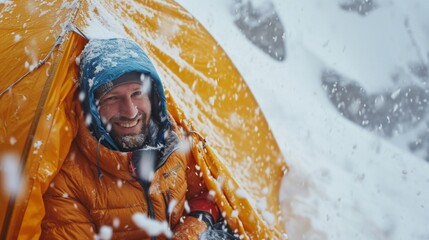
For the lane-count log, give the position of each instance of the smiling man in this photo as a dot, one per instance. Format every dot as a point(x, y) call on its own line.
point(125, 169)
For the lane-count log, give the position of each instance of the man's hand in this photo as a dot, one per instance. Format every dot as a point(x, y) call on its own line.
point(191, 228)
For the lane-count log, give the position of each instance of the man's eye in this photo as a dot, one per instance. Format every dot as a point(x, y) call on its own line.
point(109, 99)
point(137, 93)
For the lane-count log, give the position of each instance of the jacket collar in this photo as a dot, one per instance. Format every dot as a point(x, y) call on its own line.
point(115, 162)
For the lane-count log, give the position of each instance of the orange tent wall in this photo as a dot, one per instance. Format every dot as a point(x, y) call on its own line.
point(53, 130)
point(32, 93)
point(205, 93)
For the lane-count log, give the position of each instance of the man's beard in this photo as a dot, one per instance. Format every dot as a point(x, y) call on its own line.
point(128, 143)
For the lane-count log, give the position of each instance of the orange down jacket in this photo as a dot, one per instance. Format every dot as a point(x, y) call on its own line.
point(79, 202)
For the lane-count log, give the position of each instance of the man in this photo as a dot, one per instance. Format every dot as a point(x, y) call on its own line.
point(124, 169)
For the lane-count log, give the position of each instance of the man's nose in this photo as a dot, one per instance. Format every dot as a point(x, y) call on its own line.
point(128, 109)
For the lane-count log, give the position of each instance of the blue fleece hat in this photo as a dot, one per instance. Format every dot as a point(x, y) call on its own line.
point(105, 60)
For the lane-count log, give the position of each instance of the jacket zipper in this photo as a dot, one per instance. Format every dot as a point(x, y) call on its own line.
point(151, 212)
point(146, 186)
point(167, 202)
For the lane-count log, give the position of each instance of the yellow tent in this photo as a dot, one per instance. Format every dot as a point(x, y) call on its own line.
point(39, 44)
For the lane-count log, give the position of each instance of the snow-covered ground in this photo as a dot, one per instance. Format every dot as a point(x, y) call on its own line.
point(344, 182)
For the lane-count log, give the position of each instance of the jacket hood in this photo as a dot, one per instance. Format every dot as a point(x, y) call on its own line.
point(104, 60)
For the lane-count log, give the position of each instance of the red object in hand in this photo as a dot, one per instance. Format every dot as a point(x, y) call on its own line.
point(206, 205)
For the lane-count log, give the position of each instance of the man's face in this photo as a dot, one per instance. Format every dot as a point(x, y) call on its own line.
point(125, 112)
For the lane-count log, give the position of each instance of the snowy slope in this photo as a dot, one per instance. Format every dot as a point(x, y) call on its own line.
point(344, 182)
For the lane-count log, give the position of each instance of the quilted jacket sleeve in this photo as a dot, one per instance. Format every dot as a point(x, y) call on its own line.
point(199, 200)
point(196, 185)
point(66, 217)
point(190, 227)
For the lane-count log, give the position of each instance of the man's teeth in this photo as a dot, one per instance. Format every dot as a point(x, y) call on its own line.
point(129, 124)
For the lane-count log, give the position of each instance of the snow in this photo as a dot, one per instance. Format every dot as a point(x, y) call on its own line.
point(88, 119)
point(116, 222)
point(82, 96)
point(344, 182)
point(152, 227)
point(187, 208)
point(10, 172)
point(147, 165)
point(106, 232)
point(171, 206)
point(17, 38)
point(395, 94)
point(12, 140)
point(234, 214)
point(100, 28)
point(37, 144)
point(119, 183)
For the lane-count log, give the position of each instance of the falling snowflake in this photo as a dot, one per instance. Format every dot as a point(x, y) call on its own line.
point(10, 172)
point(17, 38)
point(36, 146)
point(152, 227)
point(116, 222)
point(106, 232)
point(90, 82)
point(12, 140)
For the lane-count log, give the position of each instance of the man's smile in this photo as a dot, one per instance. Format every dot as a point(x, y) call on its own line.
point(130, 124)
point(124, 126)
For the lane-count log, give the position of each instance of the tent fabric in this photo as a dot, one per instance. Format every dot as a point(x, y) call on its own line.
point(232, 141)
